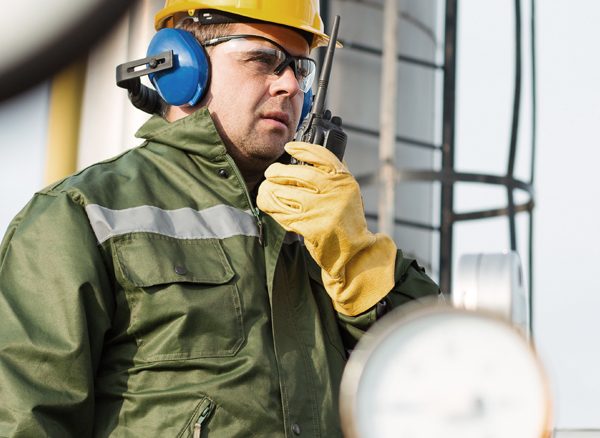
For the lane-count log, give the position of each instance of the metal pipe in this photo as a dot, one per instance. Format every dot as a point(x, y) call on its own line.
point(399, 138)
point(447, 210)
point(387, 120)
point(401, 58)
point(64, 120)
point(533, 150)
point(514, 132)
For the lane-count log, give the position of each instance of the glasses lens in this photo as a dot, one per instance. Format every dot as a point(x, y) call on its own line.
point(257, 56)
point(263, 58)
point(305, 72)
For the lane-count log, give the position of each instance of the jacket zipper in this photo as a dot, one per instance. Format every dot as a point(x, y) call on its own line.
point(198, 425)
point(255, 211)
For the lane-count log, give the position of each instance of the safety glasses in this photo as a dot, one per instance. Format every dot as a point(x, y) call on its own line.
point(265, 56)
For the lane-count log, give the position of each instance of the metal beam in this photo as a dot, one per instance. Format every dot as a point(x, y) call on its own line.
point(387, 119)
point(448, 129)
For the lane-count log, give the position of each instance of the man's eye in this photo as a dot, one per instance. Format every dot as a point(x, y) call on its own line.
point(268, 59)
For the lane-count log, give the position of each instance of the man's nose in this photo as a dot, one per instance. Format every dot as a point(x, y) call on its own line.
point(286, 82)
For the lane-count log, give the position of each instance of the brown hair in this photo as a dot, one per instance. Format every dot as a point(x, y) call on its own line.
point(204, 32)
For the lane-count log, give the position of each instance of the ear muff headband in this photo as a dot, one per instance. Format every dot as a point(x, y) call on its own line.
point(187, 81)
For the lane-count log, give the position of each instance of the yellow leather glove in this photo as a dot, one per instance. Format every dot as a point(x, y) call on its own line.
point(322, 203)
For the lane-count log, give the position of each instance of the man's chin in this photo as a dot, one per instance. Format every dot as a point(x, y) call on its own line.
point(273, 143)
point(265, 152)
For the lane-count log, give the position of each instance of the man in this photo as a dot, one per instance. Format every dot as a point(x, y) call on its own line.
point(149, 296)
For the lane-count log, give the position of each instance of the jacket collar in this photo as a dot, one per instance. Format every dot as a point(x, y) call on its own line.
point(195, 133)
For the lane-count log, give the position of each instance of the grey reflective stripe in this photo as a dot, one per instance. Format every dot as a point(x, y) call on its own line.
point(218, 222)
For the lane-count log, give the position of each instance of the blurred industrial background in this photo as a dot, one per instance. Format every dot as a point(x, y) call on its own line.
point(471, 131)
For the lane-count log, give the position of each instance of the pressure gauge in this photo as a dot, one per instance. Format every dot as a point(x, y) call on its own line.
point(438, 371)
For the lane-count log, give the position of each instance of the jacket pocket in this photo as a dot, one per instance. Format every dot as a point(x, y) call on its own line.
point(182, 296)
point(199, 420)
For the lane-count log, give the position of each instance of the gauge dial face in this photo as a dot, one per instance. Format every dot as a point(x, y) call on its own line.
point(449, 374)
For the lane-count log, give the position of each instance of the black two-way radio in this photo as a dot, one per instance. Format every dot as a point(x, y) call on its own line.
point(320, 127)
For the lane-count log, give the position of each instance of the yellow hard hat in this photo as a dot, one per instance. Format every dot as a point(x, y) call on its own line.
point(299, 14)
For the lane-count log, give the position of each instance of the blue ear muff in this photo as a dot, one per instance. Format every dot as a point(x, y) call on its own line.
point(306, 106)
point(186, 82)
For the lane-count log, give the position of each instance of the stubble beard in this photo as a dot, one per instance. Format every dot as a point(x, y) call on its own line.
point(254, 152)
point(260, 146)
point(260, 150)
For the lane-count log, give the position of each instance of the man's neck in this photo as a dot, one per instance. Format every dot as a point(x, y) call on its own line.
point(253, 175)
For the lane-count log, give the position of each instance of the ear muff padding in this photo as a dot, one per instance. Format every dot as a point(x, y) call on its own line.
point(186, 82)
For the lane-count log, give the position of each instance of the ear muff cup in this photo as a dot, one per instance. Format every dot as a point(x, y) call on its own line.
point(187, 81)
point(306, 106)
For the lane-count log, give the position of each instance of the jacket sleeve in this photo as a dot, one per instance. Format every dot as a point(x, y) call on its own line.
point(55, 308)
point(411, 283)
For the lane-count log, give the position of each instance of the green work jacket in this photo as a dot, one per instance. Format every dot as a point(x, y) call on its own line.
point(146, 296)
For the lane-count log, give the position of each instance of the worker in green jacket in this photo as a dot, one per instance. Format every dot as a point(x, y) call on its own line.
point(194, 286)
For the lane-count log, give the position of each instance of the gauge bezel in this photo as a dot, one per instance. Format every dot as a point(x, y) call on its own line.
point(403, 317)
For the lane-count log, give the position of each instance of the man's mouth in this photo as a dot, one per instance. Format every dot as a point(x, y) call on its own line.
point(277, 116)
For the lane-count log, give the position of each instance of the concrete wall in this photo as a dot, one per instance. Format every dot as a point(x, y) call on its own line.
point(23, 125)
point(566, 235)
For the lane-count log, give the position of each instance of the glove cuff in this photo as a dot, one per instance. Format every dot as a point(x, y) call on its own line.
point(368, 277)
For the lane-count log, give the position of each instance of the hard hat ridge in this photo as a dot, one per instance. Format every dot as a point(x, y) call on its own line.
point(213, 16)
point(301, 15)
